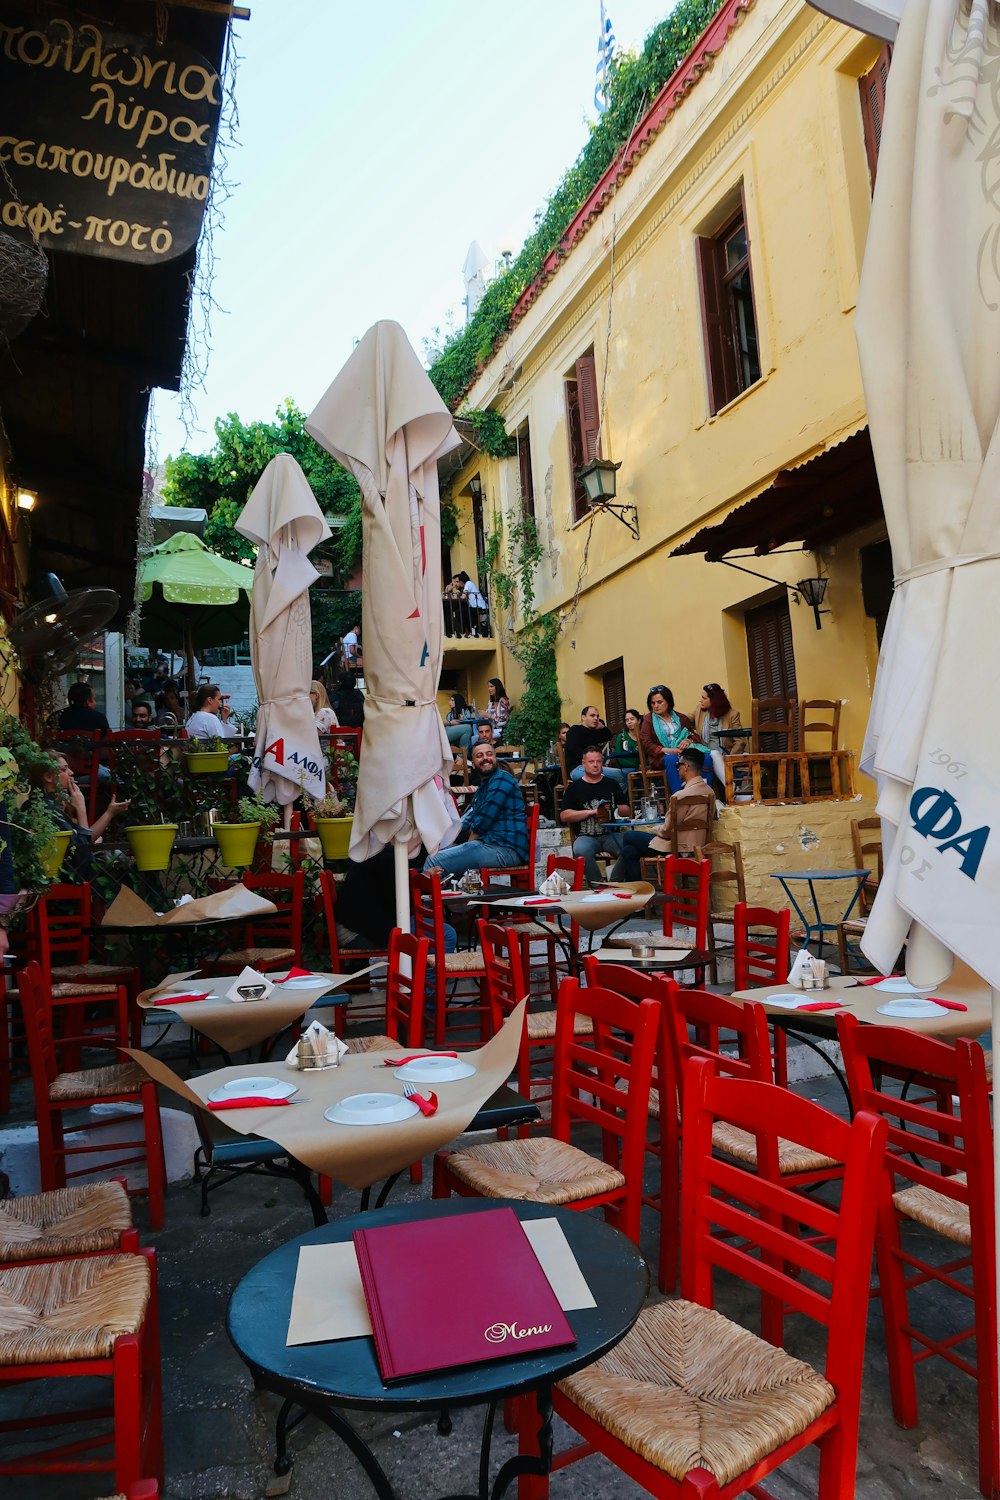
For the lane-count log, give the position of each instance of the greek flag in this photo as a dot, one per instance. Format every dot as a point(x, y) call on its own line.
point(606, 45)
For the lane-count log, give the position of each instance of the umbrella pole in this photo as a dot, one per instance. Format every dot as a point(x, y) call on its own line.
point(402, 869)
point(189, 653)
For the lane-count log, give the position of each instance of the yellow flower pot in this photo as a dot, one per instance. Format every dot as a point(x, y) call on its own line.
point(335, 836)
point(204, 762)
point(52, 854)
point(237, 842)
point(151, 845)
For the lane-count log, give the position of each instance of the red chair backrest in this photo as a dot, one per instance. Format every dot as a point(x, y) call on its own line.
point(328, 896)
point(571, 868)
point(598, 1078)
point(752, 1226)
point(685, 896)
point(761, 948)
point(706, 1015)
point(534, 813)
point(944, 1107)
point(404, 991)
point(505, 986)
point(287, 893)
point(58, 928)
point(36, 1011)
point(428, 919)
point(637, 986)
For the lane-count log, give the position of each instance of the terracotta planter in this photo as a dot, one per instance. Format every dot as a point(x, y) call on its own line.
point(206, 762)
point(237, 842)
point(335, 836)
point(52, 854)
point(152, 845)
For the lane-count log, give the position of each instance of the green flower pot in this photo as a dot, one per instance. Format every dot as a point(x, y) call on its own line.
point(152, 845)
point(206, 762)
point(237, 842)
point(335, 836)
point(52, 854)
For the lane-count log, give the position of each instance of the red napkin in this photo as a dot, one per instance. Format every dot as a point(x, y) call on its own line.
point(173, 1000)
point(399, 1062)
point(542, 901)
point(878, 978)
point(295, 973)
point(258, 1101)
point(822, 1005)
point(426, 1106)
point(948, 1004)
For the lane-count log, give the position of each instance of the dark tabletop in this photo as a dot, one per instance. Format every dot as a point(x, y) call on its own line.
point(346, 1371)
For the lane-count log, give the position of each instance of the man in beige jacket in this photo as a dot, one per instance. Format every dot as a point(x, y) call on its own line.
point(686, 810)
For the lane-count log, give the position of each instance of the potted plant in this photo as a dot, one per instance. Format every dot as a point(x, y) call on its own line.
point(237, 839)
point(208, 759)
point(333, 821)
point(38, 845)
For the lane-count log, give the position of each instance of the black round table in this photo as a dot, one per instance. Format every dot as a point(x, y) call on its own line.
point(190, 943)
point(323, 1377)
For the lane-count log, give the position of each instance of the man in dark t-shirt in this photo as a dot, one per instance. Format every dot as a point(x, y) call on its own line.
point(82, 712)
point(585, 806)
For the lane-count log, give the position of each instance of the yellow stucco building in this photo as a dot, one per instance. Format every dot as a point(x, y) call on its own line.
point(698, 330)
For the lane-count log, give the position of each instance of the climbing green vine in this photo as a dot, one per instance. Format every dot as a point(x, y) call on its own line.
point(491, 436)
point(511, 569)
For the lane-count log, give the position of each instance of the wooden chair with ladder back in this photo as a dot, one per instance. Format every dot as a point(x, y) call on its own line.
point(826, 772)
point(725, 879)
point(760, 958)
point(448, 1009)
point(340, 957)
point(866, 842)
point(770, 762)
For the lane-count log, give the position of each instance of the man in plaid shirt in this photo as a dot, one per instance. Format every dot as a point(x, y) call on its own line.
point(495, 822)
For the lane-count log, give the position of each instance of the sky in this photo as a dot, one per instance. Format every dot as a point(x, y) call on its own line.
point(377, 139)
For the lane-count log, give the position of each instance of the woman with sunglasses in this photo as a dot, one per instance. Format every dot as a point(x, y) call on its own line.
point(664, 734)
point(715, 712)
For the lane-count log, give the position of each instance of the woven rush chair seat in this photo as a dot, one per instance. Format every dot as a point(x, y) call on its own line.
point(252, 958)
point(946, 1217)
point(359, 1045)
point(535, 930)
point(72, 1309)
point(686, 1389)
point(463, 963)
point(77, 990)
point(542, 1170)
point(741, 1145)
point(92, 972)
point(92, 1083)
point(66, 1221)
point(540, 1025)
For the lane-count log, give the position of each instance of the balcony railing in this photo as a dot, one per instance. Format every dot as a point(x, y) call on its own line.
point(463, 622)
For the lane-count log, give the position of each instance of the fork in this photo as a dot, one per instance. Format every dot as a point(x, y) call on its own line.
point(424, 1105)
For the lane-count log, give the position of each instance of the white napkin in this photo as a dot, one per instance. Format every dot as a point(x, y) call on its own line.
point(801, 968)
point(555, 884)
point(327, 1048)
point(249, 979)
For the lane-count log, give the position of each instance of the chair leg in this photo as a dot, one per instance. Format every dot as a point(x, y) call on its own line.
point(156, 1166)
point(895, 1314)
point(127, 1382)
point(441, 1181)
point(51, 1149)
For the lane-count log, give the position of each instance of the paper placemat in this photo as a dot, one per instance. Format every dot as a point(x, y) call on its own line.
point(593, 910)
point(328, 1300)
point(129, 910)
point(354, 1155)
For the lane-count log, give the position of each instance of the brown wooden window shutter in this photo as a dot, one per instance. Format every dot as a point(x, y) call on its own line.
point(872, 89)
point(575, 449)
point(718, 355)
point(524, 471)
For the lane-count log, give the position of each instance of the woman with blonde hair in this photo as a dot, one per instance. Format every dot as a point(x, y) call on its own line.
point(326, 719)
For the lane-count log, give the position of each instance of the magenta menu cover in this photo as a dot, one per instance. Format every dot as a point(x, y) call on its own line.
point(456, 1290)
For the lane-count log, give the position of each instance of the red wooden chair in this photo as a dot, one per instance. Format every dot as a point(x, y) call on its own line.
point(534, 928)
point(940, 1167)
point(404, 996)
point(521, 877)
point(636, 985)
point(341, 957)
point(693, 1406)
point(57, 939)
point(95, 1219)
point(601, 1080)
point(686, 884)
point(506, 986)
point(59, 1093)
point(90, 1316)
point(275, 942)
point(760, 958)
point(447, 970)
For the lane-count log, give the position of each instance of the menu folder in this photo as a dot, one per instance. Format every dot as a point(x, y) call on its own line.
point(456, 1290)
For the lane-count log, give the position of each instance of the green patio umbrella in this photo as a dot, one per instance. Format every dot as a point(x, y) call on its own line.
point(192, 598)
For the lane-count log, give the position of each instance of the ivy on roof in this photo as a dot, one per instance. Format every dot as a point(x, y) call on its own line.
point(634, 83)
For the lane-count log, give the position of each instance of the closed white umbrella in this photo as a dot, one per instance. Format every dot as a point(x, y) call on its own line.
point(383, 419)
point(284, 520)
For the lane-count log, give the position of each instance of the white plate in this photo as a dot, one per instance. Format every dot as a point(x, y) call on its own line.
point(371, 1109)
point(915, 1010)
point(903, 987)
point(434, 1070)
point(310, 983)
point(807, 997)
point(242, 1088)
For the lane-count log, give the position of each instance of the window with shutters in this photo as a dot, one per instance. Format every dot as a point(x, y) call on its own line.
point(583, 424)
point(614, 696)
point(769, 649)
point(729, 322)
point(525, 481)
point(872, 87)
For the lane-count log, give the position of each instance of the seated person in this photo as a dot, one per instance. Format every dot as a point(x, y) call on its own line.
point(586, 805)
point(68, 809)
point(458, 722)
point(348, 702)
point(589, 734)
point(692, 831)
point(485, 733)
point(494, 823)
point(715, 712)
point(169, 712)
point(142, 714)
point(664, 734)
point(625, 750)
point(210, 720)
point(82, 711)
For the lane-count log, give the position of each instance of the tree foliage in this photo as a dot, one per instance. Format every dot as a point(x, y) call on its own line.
point(634, 83)
point(221, 481)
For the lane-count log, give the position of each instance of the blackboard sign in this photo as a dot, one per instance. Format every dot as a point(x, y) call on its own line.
point(106, 140)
